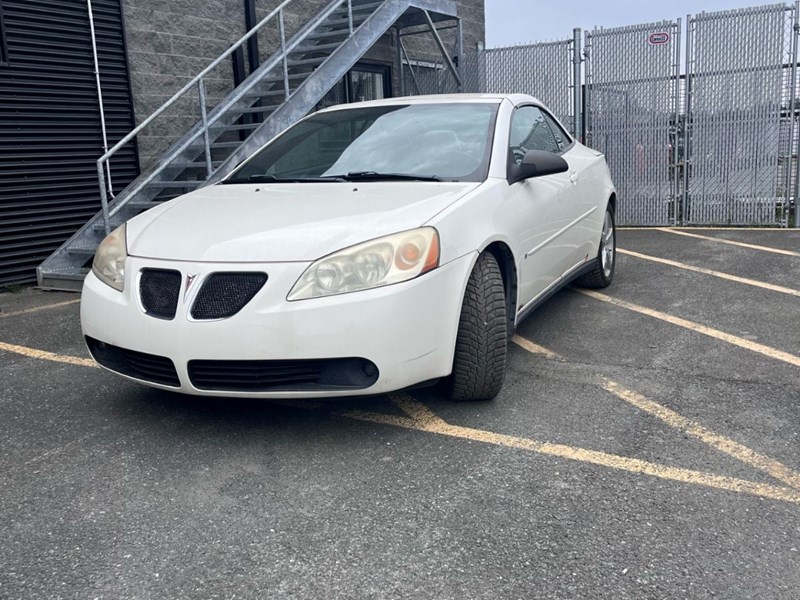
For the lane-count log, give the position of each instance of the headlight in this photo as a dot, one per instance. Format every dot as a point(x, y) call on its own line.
point(109, 260)
point(391, 259)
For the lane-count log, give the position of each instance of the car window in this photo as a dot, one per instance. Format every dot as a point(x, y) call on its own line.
point(562, 137)
point(530, 131)
point(451, 141)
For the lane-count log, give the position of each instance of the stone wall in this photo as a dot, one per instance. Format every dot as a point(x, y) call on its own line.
point(170, 41)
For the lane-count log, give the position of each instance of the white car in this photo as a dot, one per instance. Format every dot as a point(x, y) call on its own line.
point(368, 248)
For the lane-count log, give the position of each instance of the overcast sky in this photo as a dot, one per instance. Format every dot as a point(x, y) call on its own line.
point(510, 22)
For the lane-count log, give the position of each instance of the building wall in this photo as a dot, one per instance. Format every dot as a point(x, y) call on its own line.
point(50, 127)
point(170, 41)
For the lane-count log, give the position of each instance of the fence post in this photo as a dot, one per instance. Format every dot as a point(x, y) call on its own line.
point(794, 127)
point(687, 128)
point(587, 117)
point(676, 196)
point(577, 59)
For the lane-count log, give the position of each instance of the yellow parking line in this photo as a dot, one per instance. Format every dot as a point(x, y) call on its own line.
point(704, 271)
point(677, 421)
point(731, 242)
point(44, 355)
point(38, 308)
point(697, 327)
point(720, 442)
point(535, 348)
point(422, 419)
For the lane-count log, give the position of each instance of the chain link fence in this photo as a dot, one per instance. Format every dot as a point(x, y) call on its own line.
point(716, 144)
point(632, 114)
point(739, 126)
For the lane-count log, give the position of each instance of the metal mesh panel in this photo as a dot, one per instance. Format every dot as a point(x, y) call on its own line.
point(739, 130)
point(632, 102)
point(542, 70)
point(158, 290)
point(225, 294)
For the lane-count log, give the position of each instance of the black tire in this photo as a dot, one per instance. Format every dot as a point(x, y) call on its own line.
point(479, 364)
point(602, 274)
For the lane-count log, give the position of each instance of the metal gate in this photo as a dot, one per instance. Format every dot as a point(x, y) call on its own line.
point(739, 124)
point(632, 90)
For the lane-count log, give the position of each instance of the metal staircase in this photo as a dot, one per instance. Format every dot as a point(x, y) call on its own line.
point(282, 90)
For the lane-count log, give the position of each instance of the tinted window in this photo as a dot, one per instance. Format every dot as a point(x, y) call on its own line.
point(530, 131)
point(562, 138)
point(450, 141)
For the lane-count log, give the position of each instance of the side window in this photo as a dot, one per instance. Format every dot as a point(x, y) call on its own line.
point(530, 131)
point(562, 137)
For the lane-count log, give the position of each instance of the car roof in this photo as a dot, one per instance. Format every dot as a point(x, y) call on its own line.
point(515, 99)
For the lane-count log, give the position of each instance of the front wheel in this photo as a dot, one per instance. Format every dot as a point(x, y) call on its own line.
point(479, 364)
point(603, 271)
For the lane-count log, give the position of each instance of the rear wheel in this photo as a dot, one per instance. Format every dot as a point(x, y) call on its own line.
point(603, 272)
point(479, 363)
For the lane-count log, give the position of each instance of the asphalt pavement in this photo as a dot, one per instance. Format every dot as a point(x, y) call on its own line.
point(646, 445)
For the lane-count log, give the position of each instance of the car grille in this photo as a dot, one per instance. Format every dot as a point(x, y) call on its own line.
point(225, 294)
point(159, 290)
point(283, 375)
point(148, 367)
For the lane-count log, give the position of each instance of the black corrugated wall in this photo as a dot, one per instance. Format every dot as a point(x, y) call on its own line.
point(50, 133)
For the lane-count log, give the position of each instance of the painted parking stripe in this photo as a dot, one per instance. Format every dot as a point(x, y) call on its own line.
point(45, 355)
point(421, 418)
point(38, 308)
point(734, 449)
point(731, 242)
point(535, 348)
point(725, 445)
point(704, 271)
point(698, 328)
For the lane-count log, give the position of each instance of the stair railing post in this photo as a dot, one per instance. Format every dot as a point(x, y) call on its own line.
point(201, 93)
point(283, 54)
point(350, 15)
point(101, 178)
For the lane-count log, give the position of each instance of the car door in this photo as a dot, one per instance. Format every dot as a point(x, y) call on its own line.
point(539, 207)
point(580, 203)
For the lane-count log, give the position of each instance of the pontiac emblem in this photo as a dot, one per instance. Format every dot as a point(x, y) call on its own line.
point(190, 277)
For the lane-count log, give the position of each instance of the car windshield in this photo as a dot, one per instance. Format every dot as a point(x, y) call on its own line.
point(442, 141)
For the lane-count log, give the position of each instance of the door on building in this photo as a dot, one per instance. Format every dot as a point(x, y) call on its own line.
point(365, 81)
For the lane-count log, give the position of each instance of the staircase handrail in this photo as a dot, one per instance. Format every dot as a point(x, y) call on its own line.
point(198, 82)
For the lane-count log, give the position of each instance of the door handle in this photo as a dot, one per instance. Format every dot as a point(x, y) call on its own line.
point(573, 177)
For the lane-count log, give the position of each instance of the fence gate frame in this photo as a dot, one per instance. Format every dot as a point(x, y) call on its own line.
point(712, 173)
point(646, 169)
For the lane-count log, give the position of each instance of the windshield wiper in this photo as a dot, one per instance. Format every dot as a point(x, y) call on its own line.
point(273, 179)
point(375, 176)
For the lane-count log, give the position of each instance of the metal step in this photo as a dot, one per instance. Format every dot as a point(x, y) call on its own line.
point(82, 249)
point(309, 49)
point(68, 279)
point(307, 61)
point(243, 126)
point(224, 145)
point(188, 184)
point(254, 109)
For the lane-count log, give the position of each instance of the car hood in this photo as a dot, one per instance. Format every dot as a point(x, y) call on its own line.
point(284, 222)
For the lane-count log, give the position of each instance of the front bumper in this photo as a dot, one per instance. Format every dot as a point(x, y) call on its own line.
point(408, 330)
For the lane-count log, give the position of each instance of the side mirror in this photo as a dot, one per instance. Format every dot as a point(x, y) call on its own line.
point(536, 163)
